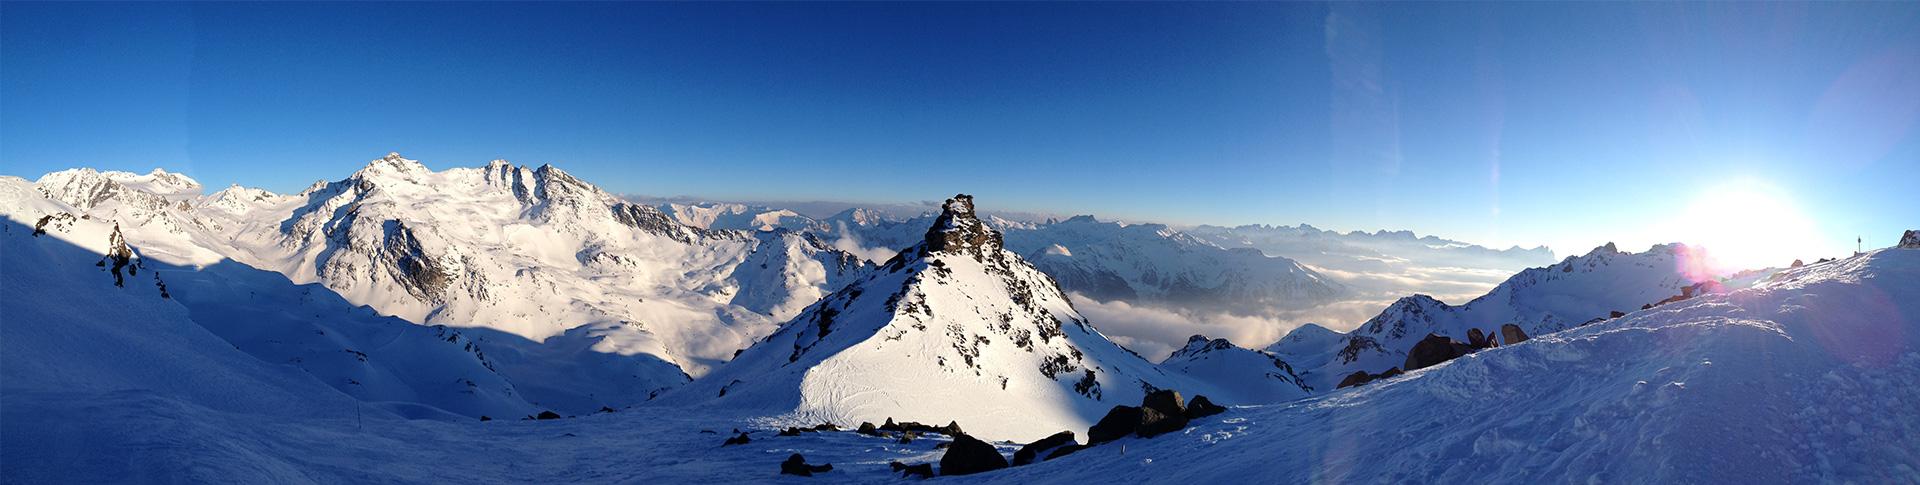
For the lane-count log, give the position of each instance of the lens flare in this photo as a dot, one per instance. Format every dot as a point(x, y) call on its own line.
point(1744, 225)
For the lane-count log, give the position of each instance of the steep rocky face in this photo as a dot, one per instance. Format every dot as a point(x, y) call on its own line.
point(954, 315)
point(1910, 240)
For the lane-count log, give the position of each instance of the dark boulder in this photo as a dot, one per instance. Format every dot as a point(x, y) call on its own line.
point(826, 427)
point(1118, 423)
point(606, 409)
point(1153, 423)
point(1615, 314)
point(968, 455)
point(890, 426)
point(1202, 407)
point(1356, 378)
point(1512, 334)
point(1064, 451)
point(548, 415)
point(485, 418)
point(1166, 401)
point(922, 470)
point(1394, 372)
point(868, 429)
point(797, 465)
point(1477, 339)
point(1433, 350)
point(737, 440)
point(1032, 451)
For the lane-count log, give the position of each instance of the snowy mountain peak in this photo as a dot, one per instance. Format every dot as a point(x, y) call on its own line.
point(392, 166)
point(959, 230)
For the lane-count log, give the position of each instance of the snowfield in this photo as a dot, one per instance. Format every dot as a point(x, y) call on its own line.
point(360, 331)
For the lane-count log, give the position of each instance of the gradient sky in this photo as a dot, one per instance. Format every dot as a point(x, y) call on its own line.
point(1509, 123)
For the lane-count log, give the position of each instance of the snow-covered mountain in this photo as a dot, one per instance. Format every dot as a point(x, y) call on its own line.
point(954, 328)
point(374, 358)
point(1807, 377)
point(1538, 300)
point(1326, 248)
point(1152, 263)
point(592, 300)
point(1238, 375)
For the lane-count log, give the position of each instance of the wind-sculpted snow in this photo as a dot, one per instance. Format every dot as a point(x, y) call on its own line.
point(955, 328)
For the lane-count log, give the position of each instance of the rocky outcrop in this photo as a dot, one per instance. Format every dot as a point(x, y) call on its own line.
point(922, 470)
point(1433, 350)
point(737, 440)
point(1118, 423)
point(1512, 334)
point(1362, 377)
point(958, 229)
point(1033, 451)
point(1910, 240)
point(1202, 407)
point(968, 455)
point(797, 465)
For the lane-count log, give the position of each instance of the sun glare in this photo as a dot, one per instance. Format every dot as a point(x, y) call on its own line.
point(1747, 225)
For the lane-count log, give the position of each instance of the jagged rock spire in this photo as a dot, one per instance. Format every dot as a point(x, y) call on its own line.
point(959, 229)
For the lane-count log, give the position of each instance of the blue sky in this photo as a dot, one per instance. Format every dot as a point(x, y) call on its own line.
point(1509, 123)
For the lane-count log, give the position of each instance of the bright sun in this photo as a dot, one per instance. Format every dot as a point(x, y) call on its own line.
point(1747, 225)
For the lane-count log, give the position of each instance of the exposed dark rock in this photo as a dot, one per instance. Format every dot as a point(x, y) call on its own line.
point(1433, 350)
point(922, 470)
point(1153, 423)
point(1356, 378)
point(826, 427)
point(968, 455)
point(797, 465)
point(485, 418)
point(1202, 407)
point(1167, 401)
point(1032, 451)
point(1512, 334)
point(606, 409)
point(1362, 377)
point(548, 415)
point(868, 429)
point(737, 440)
point(1064, 451)
point(1118, 423)
point(1910, 239)
point(1615, 314)
point(890, 426)
point(1476, 338)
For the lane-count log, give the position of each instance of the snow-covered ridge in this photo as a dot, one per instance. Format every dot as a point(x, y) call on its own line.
point(604, 301)
point(955, 328)
point(1576, 291)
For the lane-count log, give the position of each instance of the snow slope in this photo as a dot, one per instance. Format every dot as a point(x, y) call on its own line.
point(955, 328)
point(1807, 377)
point(1538, 300)
point(596, 300)
point(1238, 375)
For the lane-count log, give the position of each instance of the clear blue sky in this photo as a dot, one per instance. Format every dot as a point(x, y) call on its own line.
point(1509, 123)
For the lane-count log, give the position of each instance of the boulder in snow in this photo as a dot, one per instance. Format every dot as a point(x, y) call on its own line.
point(1202, 407)
point(1032, 451)
point(968, 455)
point(1118, 423)
point(797, 465)
point(1910, 240)
point(1433, 350)
point(1512, 334)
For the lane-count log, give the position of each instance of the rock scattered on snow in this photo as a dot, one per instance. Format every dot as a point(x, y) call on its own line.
point(968, 455)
